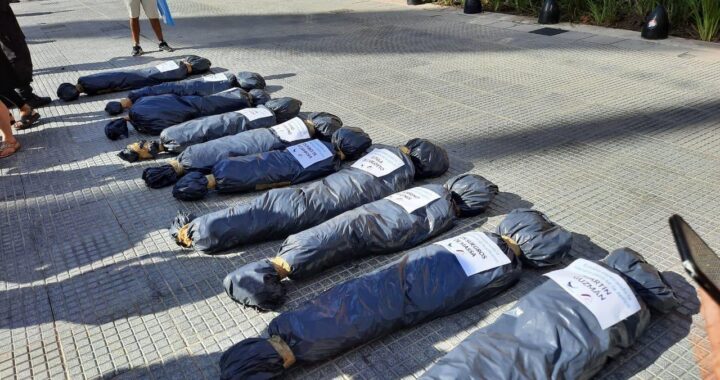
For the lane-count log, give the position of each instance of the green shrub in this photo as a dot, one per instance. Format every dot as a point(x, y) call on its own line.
point(573, 9)
point(604, 12)
point(493, 5)
point(642, 7)
point(706, 15)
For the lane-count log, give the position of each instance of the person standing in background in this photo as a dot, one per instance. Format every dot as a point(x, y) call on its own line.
point(151, 11)
point(15, 48)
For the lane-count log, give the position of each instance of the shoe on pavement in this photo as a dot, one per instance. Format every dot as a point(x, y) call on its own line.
point(38, 101)
point(137, 51)
point(163, 46)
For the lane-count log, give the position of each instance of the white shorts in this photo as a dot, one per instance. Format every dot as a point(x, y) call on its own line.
point(149, 6)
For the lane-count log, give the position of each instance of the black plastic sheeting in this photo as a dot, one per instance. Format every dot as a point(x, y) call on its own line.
point(281, 212)
point(196, 131)
point(427, 283)
point(113, 81)
point(277, 168)
point(250, 81)
point(550, 334)
point(202, 157)
point(389, 225)
point(202, 86)
point(178, 137)
point(154, 113)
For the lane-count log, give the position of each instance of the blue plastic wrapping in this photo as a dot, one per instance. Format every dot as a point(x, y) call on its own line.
point(392, 224)
point(281, 212)
point(429, 282)
point(154, 113)
point(552, 334)
point(278, 168)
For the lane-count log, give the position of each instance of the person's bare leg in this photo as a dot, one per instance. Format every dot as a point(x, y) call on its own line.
point(157, 28)
point(135, 30)
point(5, 127)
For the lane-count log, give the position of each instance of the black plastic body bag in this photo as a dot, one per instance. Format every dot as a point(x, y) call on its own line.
point(427, 283)
point(114, 81)
point(280, 212)
point(397, 222)
point(152, 114)
point(553, 334)
point(300, 163)
point(203, 157)
point(201, 86)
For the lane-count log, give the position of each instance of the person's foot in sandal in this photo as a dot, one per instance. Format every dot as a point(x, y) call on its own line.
point(27, 120)
point(7, 149)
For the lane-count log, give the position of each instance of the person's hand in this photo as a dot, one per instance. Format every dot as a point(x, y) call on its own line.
point(710, 311)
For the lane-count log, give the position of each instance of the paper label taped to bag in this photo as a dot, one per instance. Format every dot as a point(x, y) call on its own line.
point(476, 252)
point(379, 162)
point(604, 293)
point(310, 152)
point(292, 130)
point(215, 78)
point(255, 113)
point(167, 66)
point(414, 198)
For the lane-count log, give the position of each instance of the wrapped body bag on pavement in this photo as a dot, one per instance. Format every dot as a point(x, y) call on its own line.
point(433, 281)
point(203, 157)
point(566, 328)
point(203, 86)
point(281, 212)
point(152, 114)
point(114, 81)
point(278, 168)
point(400, 221)
point(176, 138)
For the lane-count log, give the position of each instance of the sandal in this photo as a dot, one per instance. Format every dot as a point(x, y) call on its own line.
point(7, 150)
point(27, 121)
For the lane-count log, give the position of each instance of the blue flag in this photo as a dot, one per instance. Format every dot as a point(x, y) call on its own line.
point(165, 12)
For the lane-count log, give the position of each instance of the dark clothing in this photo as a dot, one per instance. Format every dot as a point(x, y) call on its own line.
point(12, 42)
point(7, 92)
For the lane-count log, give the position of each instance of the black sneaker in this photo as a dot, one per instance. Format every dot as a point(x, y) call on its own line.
point(137, 50)
point(38, 101)
point(165, 47)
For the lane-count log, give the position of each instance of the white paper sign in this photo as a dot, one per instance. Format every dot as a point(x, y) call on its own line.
point(379, 162)
point(310, 152)
point(215, 78)
point(476, 252)
point(255, 113)
point(167, 66)
point(292, 130)
point(603, 292)
point(414, 198)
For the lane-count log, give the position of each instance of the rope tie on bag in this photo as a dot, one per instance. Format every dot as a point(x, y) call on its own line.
point(341, 155)
point(80, 88)
point(281, 266)
point(310, 127)
point(183, 238)
point(283, 350)
point(211, 181)
point(179, 169)
point(512, 244)
point(405, 150)
point(188, 66)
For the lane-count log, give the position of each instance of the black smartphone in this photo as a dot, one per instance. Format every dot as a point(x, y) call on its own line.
point(699, 260)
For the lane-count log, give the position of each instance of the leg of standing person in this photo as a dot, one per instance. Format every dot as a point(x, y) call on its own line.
point(9, 144)
point(151, 11)
point(133, 7)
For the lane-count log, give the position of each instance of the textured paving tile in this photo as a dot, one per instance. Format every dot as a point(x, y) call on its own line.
point(608, 136)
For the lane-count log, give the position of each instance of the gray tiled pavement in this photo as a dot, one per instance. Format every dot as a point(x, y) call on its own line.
point(609, 135)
